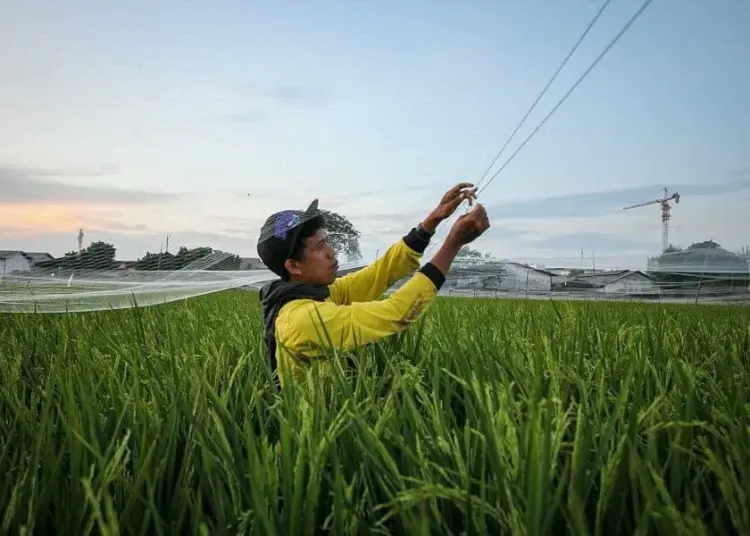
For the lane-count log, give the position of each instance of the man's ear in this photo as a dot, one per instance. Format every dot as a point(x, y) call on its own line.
point(292, 267)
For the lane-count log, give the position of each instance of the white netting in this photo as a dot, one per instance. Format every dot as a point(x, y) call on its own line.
point(706, 274)
point(90, 282)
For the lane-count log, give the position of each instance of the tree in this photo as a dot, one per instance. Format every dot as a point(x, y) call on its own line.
point(156, 261)
point(467, 252)
point(191, 258)
point(98, 256)
point(200, 258)
point(224, 261)
point(344, 237)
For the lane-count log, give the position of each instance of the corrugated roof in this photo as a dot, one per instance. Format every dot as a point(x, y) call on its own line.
point(37, 256)
point(607, 277)
point(6, 254)
point(33, 256)
point(493, 266)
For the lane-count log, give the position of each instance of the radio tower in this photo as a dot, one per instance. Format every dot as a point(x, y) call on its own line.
point(80, 240)
point(665, 216)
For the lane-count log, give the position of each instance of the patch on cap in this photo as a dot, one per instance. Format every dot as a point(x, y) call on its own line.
point(285, 221)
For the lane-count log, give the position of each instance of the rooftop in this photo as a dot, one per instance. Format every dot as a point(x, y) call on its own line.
point(605, 278)
point(33, 256)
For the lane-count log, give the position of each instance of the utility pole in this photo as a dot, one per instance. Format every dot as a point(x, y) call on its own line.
point(167, 247)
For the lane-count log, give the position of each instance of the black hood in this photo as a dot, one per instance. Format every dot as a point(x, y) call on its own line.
point(273, 296)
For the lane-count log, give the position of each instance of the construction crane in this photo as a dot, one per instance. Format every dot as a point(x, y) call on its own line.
point(665, 208)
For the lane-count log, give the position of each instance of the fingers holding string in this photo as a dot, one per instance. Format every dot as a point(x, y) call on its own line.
point(469, 195)
point(461, 186)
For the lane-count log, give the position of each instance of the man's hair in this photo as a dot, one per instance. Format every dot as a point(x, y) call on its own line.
point(307, 229)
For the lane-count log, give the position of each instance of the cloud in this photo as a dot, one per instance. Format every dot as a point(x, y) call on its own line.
point(390, 217)
point(246, 116)
point(232, 222)
point(592, 241)
point(124, 228)
point(518, 230)
point(239, 224)
point(352, 206)
point(260, 102)
point(130, 246)
point(33, 203)
point(40, 218)
point(100, 170)
point(30, 186)
point(247, 233)
point(635, 233)
point(742, 172)
point(576, 205)
point(603, 203)
point(44, 218)
point(354, 202)
point(287, 95)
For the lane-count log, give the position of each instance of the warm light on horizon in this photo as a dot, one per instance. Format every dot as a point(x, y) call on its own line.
point(44, 218)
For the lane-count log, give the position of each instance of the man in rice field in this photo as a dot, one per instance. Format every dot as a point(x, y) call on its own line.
point(309, 308)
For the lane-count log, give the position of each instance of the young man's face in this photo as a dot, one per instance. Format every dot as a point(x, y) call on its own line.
point(319, 264)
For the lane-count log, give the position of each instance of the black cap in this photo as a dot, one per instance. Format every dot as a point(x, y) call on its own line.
point(280, 233)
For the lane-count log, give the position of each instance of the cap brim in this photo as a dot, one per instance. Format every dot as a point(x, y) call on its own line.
point(313, 208)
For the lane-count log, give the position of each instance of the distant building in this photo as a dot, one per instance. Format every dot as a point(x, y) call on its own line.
point(502, 276)
point(128, 266)
point(525, 278)
point(20, 261)
point(707, 260)
point(623, 282)
point(704, 265)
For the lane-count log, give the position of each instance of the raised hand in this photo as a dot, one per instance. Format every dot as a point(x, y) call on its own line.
point(469, 226)
point(453, 198)
point(449, 203)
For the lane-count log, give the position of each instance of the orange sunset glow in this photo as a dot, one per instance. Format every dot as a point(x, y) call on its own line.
point(47, 217)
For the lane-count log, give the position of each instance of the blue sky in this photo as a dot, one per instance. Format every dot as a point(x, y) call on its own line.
point(136, 121)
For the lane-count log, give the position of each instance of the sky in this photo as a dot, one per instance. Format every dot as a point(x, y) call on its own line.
point(196, 119)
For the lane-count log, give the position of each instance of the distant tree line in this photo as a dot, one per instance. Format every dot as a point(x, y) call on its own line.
point(468, 253)
point(201, 258)
point(99, 255)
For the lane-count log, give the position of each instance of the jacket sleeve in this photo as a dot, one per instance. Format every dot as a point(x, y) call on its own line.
point(359, 323)
point(367, 284)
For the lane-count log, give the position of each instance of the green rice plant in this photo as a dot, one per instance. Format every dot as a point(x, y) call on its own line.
point(487, 417)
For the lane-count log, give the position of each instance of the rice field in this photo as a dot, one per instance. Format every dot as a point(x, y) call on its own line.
point(488, 417)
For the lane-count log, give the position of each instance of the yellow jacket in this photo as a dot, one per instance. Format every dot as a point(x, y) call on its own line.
point(352, 314)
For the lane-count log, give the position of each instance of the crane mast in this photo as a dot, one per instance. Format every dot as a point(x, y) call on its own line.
point(665, 213)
